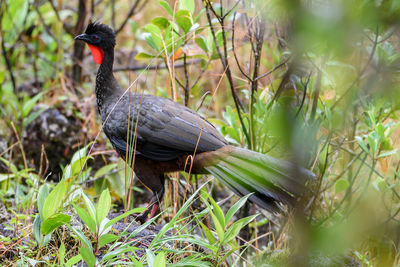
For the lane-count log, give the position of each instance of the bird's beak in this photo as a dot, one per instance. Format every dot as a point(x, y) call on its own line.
point(83, 37)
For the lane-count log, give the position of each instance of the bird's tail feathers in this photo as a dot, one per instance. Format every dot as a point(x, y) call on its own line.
point(272, 181)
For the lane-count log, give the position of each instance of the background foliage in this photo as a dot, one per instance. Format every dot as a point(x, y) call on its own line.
point(314, 81)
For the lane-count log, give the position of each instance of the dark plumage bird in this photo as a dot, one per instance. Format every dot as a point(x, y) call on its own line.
point(162, 134)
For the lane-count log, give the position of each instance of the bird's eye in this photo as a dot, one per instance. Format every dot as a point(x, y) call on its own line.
point(95, 38)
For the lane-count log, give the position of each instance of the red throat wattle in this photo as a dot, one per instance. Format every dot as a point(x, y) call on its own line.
point(97, 53)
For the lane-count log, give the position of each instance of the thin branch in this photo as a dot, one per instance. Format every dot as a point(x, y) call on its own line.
point(186, 88)
point(234, 51)
point(271, 71)
point(156, 67)
point(225, 64)
point(130, 14)
point(304, 95)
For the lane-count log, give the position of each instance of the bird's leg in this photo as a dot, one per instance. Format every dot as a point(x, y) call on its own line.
point(153, 206)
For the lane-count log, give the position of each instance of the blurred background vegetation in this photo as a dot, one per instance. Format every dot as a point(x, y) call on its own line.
point(313, 81)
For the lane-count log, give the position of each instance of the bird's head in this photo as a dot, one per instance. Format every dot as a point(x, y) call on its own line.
point(100, 38)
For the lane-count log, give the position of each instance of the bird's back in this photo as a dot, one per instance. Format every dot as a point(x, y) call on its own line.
point(165, 129)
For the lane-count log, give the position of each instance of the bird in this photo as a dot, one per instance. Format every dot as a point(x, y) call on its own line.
point(157, 136)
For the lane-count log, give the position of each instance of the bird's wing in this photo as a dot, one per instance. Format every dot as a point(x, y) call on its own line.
point(166, 130)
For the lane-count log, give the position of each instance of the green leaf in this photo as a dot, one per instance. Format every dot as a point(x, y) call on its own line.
point(341, 185)
point(235, 208)
point(167, 7)
point(160, 22)
point(120, 217)
point(153, 36)
point(88, 256)
point(188, 5)
point(361, 143)
point(80, 155)
point(42, 195)
point(54, 200)
point(388, 153)
point(183, 19)
point(89, 205)
point(61, 254)
point(103, 206)
point(218, 212)
point(144, 56)
point(105, 170)
point(31, 117)
point(234, 229)
point(372, 144)
point(81, 236)
point(380, 129)
point(86, 218)
point(28, 105)
point(218, 227)
point(74, 260)
point(159, 260)
point(202, 43)
point(107, 238)
point(37, 223)
point(150, 257)
point(210, 237)
point(53, 222)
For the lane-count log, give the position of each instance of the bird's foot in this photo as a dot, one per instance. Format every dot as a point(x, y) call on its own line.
point(142, 218)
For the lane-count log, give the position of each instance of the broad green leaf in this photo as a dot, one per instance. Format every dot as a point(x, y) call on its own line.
point(153, 36)
point(107, 238)
point(88, 256)
point(37, 223)
point(105, 170)
point(103, 206)
point(144, 56)
point(159, 260)
point(61, 254)
point(42, 195)
point(78, 165)
point(74, 260)
point(89, 205)
point(202, 43)
point(341, 185)
point(32, 116)
point(54, 200)
point(160, 22)
point(86, 218)
point(80, 154)
point(53, 222)
point(380, 129)
point(28, 105)
point(167, 7)
point(150, 256)
point(182, 17)
point(188, 5)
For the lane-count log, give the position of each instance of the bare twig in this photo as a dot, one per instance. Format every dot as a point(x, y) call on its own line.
point(224, 60)
point(79, 47)
point(130, 14)
point(155, 67)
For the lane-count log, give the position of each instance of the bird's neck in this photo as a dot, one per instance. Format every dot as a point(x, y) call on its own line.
point(106, 85)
